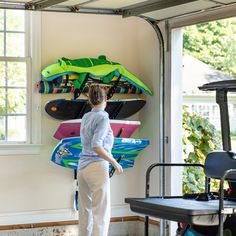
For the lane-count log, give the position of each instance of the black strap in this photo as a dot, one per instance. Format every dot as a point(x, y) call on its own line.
point(112, 171)
point(76, 191)
point(116, 111)
point(79, 90)
point(120, 132)
point(75, 174)
point(67, 80)
point(112, 89)
point(82, 110)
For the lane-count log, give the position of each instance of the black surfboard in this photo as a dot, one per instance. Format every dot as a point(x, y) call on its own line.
point(63, 109)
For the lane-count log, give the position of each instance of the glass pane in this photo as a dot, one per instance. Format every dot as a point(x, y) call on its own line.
point(1, 44)
point(16, 74)
point(15, 44)
point(16, 101)
point(2, 73)
point(232, 119)
point(2, 128)
point(1, 19)
point(15, 20)
point(16, 127)
point(2, 101)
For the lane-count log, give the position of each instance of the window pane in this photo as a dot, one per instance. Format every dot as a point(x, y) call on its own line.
point(2, 101)
point(15, 20)
point(16, 101)
point(2, 128)
point(13, 77)
point(16, 74)
point(16, 127)
point(1, 44)
point(2, 74)
point(15, 44)
point(1, 19)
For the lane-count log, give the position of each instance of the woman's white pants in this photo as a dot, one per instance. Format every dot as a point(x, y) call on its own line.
point(94, 199)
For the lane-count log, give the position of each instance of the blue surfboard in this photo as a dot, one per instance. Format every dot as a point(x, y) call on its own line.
point(66, 153)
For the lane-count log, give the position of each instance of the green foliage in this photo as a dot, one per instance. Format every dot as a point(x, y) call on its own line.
point(199, 138)
point(213, 43)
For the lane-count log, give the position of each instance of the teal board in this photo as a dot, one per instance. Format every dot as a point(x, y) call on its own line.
point(66, 153)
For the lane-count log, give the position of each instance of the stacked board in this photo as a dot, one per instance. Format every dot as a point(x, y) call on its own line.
point(76, 76)
point(125, 149)
point(63, 109)
point(66, 153)
point(69, 75)
point(71, 128)
point(61, 86)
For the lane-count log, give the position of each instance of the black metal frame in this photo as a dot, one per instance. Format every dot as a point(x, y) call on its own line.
point(222, 210)
point(221, 88)
point(221, 202)
point(147, 185)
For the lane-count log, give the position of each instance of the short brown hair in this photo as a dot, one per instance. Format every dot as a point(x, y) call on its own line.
point(96, 94)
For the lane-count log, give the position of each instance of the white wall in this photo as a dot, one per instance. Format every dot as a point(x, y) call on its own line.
point(32, 184)
point(148, 56)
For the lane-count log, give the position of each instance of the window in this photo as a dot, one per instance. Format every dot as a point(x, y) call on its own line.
point(17, 106)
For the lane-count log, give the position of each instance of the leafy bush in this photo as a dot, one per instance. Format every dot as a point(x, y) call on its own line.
point(199, 138)
point(213, 43)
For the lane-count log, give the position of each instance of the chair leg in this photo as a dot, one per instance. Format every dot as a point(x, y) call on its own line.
point(221, 224)
point(146, 226)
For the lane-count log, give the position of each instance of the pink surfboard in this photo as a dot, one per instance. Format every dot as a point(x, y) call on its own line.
point(71, 128)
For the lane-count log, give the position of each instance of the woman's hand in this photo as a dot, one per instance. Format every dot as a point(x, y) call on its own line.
point(102, 153)
point(118, 167)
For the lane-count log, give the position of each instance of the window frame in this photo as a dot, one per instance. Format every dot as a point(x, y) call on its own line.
point(28, 66)
point(33, 108)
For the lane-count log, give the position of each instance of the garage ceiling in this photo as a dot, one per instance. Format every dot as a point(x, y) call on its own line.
point(154, 9)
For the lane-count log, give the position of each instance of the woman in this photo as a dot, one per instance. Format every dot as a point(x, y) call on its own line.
point(93, 170)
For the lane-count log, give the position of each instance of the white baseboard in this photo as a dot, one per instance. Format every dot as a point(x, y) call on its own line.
point(32, 217)
point(121, 210)
point(43, 216)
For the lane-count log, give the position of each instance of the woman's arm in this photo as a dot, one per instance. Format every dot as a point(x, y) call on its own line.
point(97, 143)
